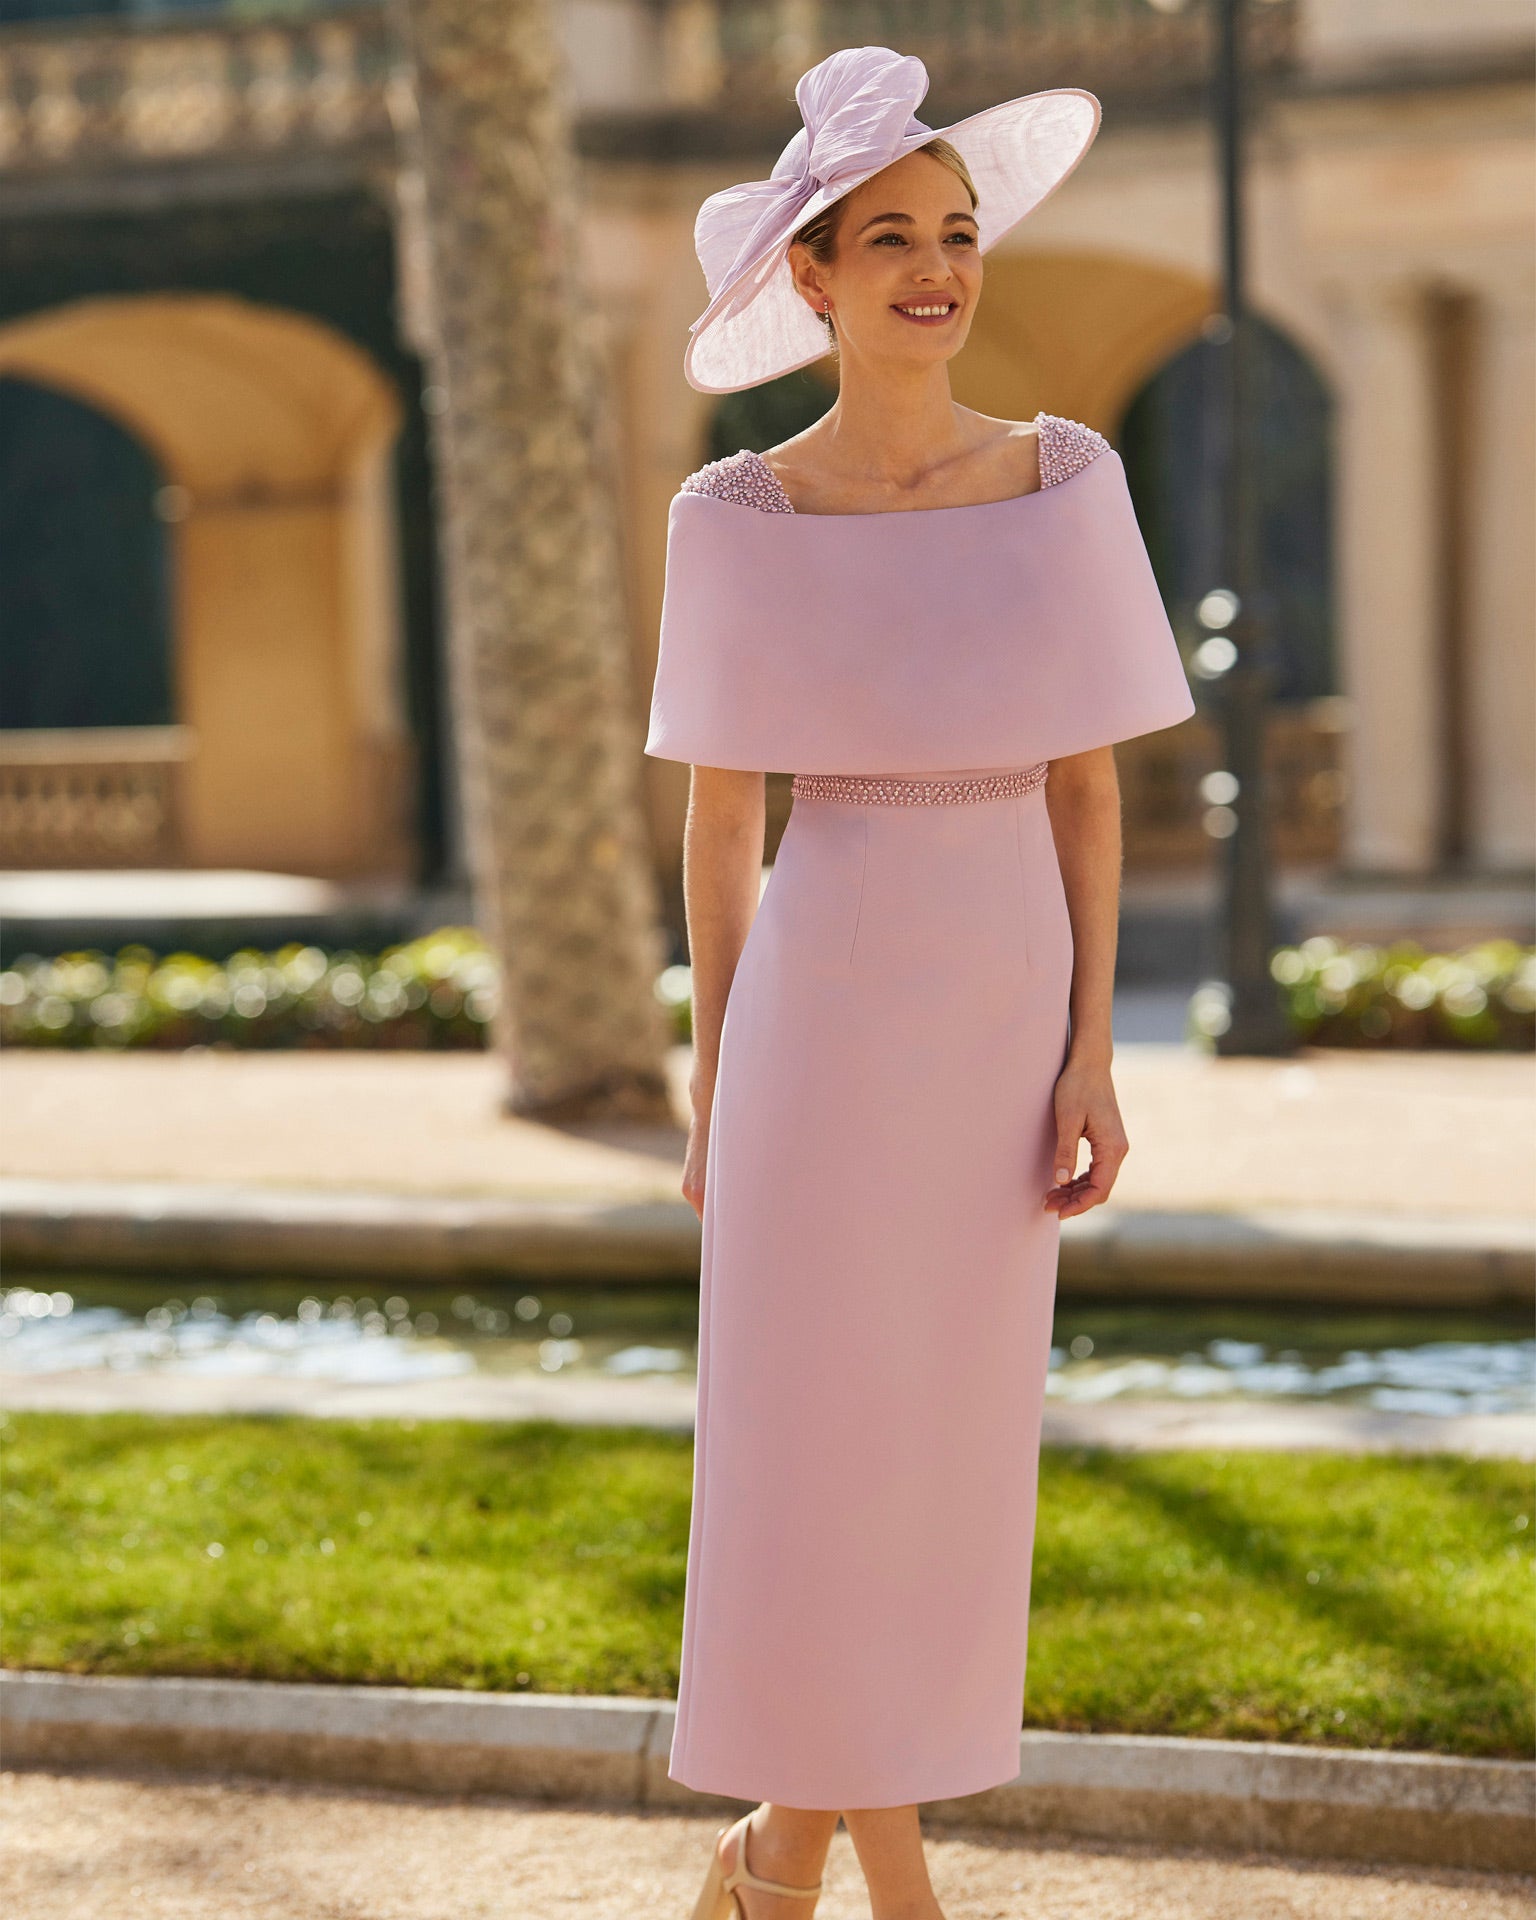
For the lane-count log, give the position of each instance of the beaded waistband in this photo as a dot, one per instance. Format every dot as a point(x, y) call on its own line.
point(878, 789)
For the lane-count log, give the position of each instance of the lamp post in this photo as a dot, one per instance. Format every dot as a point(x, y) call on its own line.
point(1241, 1011)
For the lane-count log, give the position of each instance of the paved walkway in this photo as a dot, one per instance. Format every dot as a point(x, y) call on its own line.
point(1452, 1134)
point(161, 1850)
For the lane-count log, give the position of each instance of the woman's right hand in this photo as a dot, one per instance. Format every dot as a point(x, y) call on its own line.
point(694, 1157)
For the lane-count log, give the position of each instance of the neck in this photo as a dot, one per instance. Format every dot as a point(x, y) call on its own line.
point(891, 426)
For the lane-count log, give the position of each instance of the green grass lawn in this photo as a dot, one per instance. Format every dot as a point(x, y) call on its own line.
point(1366, 1602)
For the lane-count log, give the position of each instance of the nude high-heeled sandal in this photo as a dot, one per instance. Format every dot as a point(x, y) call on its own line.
point(718, 1900)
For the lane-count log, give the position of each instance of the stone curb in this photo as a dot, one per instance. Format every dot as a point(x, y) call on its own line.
point(1314, 1803)
point(1279, 1255)
point(169, 1227)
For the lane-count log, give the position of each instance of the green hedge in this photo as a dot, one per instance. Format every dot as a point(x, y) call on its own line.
point(440, 992)
point(436, 992)
point(1403, 996)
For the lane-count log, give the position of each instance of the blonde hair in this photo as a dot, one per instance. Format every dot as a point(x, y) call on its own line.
point(819, 236)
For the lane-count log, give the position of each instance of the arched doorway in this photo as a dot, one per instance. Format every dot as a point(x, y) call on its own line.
point(264, 442)
point(85, 593)
point(1164, 441)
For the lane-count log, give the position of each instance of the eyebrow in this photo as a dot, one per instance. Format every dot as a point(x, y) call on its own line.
point(907, 220)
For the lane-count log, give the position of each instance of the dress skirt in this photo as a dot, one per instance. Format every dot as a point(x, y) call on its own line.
point(877, 1287)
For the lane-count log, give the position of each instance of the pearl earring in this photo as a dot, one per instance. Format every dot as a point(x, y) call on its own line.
point(826, 314)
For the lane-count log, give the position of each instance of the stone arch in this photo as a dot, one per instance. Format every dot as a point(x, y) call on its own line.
point(1075, 333)
point(275, 434)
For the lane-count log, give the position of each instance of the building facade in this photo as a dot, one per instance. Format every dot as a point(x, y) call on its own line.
point(222, 641)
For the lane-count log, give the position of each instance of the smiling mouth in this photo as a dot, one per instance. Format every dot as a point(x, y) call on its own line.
point(927, 313)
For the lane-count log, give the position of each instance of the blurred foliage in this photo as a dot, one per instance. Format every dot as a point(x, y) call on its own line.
point(1400, 995)
point(436, 992)
point(441, 992)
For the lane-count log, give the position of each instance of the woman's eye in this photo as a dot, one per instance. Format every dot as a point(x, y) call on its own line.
point(968, 239)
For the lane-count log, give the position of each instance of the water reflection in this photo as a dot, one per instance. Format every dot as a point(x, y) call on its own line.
point(340, 1340)
point(1437, 1364)
point(347, 1342)
point(1441, 1377)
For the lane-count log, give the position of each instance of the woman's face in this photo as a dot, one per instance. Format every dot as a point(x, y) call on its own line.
point(908, 241)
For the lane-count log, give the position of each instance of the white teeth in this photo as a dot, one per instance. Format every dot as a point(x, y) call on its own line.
point(923, 312)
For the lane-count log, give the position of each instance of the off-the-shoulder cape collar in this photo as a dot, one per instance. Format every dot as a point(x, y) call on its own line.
point(998, 634)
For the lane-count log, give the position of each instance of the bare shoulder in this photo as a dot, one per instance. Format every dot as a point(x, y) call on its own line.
point(990, 430)
point(1011, 450)
point(793, 458)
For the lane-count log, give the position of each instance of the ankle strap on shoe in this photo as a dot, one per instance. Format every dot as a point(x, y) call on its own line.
point(741, 1875)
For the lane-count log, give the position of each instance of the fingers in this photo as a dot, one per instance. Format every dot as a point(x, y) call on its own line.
point(1074, 1194)
point(1071, 1125)
point(1092, 1187)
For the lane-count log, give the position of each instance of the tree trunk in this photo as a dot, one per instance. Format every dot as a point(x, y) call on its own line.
point(539, 662)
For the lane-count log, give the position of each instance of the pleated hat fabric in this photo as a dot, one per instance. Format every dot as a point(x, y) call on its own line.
point(858, 107)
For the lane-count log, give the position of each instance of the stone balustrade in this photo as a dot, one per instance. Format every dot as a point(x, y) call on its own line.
point(91, 797)
point(94, 93)
point(101, 92)
point(744, 56)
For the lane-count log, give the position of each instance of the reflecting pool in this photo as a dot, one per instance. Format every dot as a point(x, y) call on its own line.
point(1435, 1363)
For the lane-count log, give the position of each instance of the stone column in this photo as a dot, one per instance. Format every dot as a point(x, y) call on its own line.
point(1501, 576)
point(1388, 544)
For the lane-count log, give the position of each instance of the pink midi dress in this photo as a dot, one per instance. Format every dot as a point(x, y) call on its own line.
point(878, 1267)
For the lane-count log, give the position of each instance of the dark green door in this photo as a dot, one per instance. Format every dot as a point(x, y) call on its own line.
point(85, 626)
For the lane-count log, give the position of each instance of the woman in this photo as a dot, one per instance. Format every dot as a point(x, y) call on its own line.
point(920, 612)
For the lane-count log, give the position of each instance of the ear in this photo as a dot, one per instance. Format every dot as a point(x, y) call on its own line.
point(807, 277)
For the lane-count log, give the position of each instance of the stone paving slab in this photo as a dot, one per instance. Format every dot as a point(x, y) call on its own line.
point(667, 1405)
point(159, 1849)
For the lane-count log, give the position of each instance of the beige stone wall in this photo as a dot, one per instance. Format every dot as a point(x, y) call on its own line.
point(273, 434)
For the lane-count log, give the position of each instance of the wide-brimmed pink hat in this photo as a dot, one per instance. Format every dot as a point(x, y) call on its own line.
point(858, 108)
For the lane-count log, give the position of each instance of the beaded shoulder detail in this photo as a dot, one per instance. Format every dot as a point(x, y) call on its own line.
point(1066, 447)
point(745, 479)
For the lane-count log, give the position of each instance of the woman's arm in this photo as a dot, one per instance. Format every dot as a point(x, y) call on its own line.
point(722, 880)
point(1082, 795)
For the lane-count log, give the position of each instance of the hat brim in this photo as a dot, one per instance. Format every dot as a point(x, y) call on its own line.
point(757, 327)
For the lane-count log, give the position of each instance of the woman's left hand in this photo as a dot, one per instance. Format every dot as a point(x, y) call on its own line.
point(1086, 1109)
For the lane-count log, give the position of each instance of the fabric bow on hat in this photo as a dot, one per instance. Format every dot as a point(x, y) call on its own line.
point(857, 106)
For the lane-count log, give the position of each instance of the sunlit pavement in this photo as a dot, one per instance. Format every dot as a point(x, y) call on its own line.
point(1447, 1133)
point(158, 1850)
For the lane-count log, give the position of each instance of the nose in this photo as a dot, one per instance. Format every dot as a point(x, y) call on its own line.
point(932, 262)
